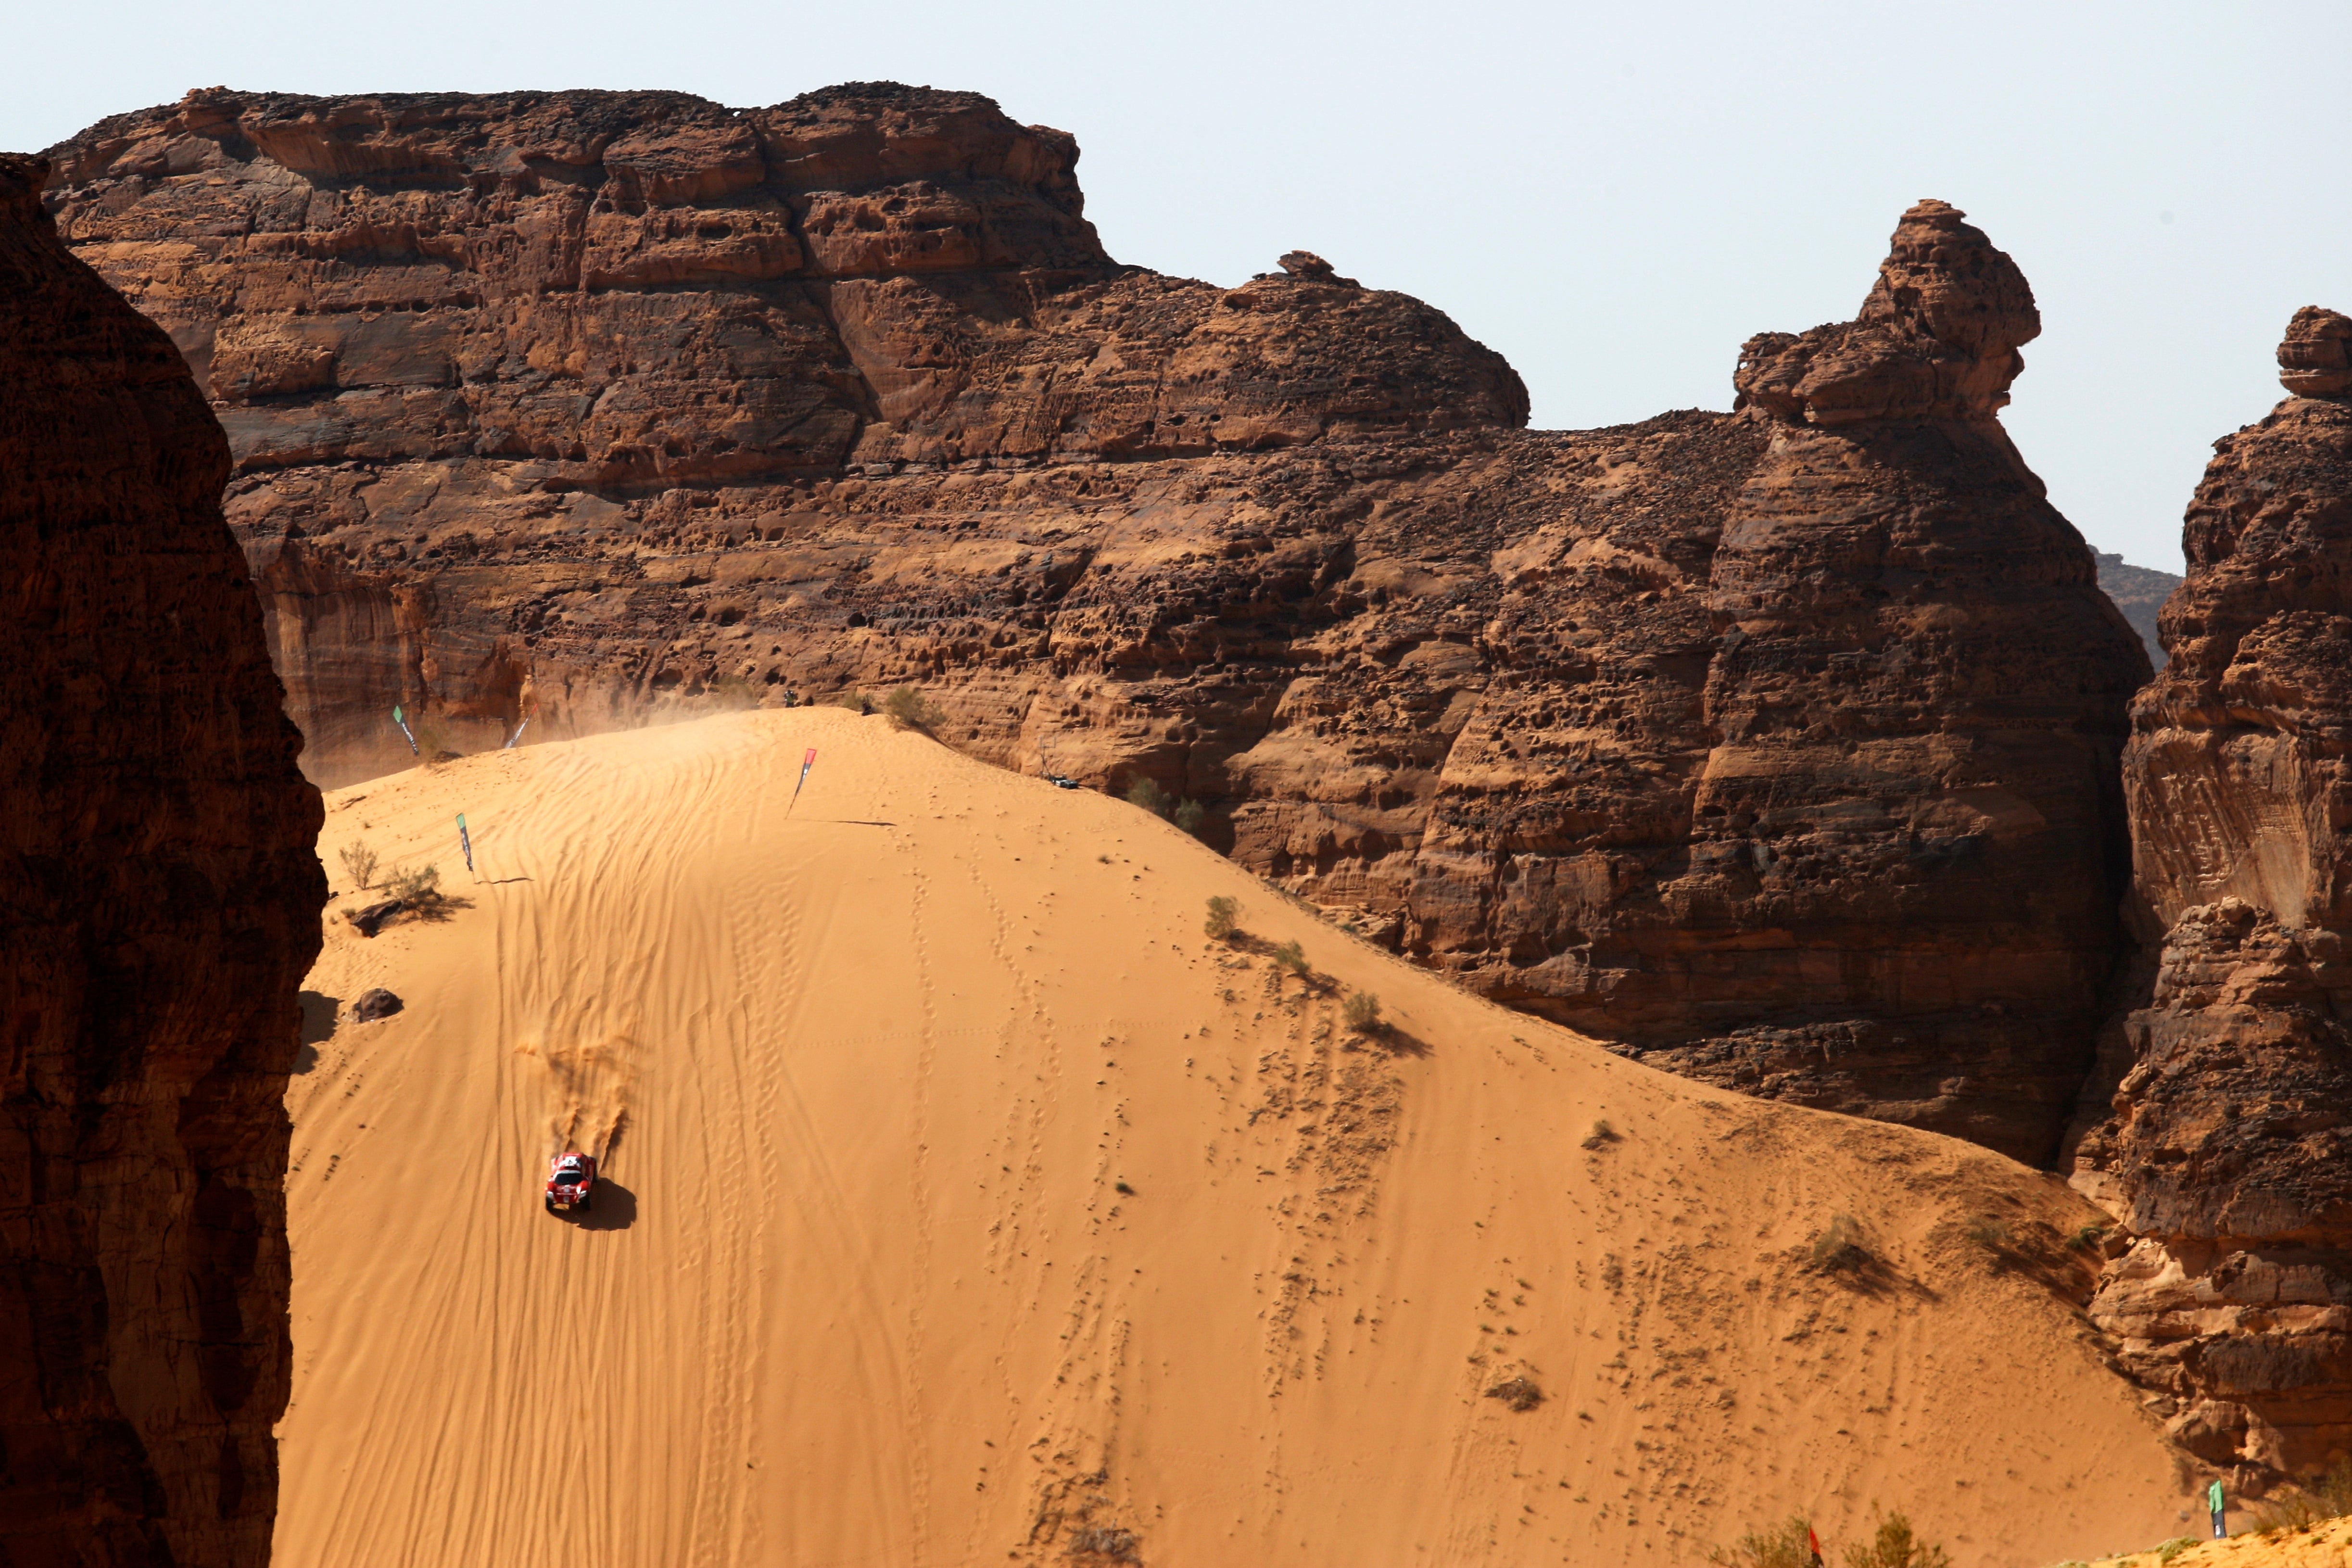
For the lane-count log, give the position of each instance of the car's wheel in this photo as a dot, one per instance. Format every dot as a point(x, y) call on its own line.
point(550, 1204)
point(583, 1203)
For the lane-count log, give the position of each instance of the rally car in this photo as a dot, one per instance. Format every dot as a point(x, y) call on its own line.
point(568, 1182)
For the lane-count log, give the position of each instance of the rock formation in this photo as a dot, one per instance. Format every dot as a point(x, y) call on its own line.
point(1912, 717)
point(158, 906)
point(2228, 1155)
point(1778, 745)
point(2139, 592)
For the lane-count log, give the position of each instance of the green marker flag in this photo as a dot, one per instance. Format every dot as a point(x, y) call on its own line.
point(2214, 1501)
point(406, 730)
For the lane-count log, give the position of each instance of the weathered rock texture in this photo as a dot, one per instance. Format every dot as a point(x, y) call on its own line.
point(1778, 744)
point(2229, 1151)
point(159, 903)
point(2139, 592)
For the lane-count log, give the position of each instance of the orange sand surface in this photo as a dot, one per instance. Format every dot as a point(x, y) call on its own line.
point(968, 1206)
point(2325, 1545)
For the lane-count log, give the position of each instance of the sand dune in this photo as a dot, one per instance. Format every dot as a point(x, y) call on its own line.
point(2327, 1544)
point(968, 1204)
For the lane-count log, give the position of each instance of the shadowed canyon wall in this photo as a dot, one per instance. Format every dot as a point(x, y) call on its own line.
point(2227, 1146)
point(159, 901)
point(1778, 746)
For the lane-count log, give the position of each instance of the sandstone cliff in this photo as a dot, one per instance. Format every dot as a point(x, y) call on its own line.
point(2139, 592)
point(1778, 744)
point(158, 906)
point(2229, 1150)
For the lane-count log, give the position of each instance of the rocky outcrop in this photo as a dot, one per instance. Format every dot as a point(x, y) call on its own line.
point(580, 320)
point(2227, 1151)
point(2139, 592)
point(159, 900)
point(1913, 712)
point(1776, 745)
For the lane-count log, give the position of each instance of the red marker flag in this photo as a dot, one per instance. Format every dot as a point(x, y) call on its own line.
point(1814, 1543)
point(806, 764)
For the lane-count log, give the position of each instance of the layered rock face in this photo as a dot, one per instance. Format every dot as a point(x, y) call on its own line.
point(159, 902)
point(2139, 592)
point(442, 329)
point(1777, 744)
point(2229, 1150)
point(1913, 713)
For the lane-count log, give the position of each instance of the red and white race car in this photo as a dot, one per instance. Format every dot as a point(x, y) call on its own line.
point(570, 1181)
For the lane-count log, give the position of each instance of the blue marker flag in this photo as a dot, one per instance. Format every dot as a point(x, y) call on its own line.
point(465, 841)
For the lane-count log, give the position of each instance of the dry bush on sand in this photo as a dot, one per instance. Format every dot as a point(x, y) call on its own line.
point(1362, 1011)
point(1895, 1546)
point(856, 701)
point(359, 864)
point(1147, 793)
point(1788, 1544)
point(910, 709)
point(1224, 917)
point(421, 885)
point(1840, 1247)
point(1517, 1393)
point(1187, 814)
point(1292, 955)
point(2308, 1502)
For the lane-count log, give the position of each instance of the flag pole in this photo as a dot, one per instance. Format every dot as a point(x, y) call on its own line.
point(806, 764)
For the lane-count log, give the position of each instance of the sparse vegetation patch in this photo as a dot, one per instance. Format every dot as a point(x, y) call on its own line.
point(1839, 1248)
point(359, 864)
point(1897, 1546)
point(1224, 917)
point(1788, 1544)
point(1518, 1393)
point(1187, 814)
point(910, 709)
point(2308, 1503)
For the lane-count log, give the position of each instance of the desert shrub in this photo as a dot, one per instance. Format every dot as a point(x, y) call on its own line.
point(1292, 955)
point(1601, 1133)
point(2308, 1502)
point(1362, 1011)
point(1896, 1546)
point(1840, 1247)
point(359, 864)
point(1147, 793)
point(421, 885)
point(1518, 1393)
point(1989, 1232)
point(910, 709)
point(2087, 1237)
point(1190, 815)
point(856, 701)
point(1224, 917)
point(1107, 1543)
point(1788, 1544)
point(2173, 1548)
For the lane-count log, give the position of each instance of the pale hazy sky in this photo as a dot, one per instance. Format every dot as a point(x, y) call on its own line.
point(1613, 197)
